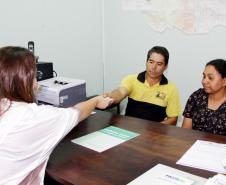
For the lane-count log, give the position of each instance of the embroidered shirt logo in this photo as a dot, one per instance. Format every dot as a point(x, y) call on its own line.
point(160, 95)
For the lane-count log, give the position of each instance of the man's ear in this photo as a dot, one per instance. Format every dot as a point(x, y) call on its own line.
point(166, 66)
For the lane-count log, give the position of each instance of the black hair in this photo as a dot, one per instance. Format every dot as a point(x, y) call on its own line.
point(220, 66)
point(160, 50)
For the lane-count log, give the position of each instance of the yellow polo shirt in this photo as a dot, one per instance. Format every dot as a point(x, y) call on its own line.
point(151, 102)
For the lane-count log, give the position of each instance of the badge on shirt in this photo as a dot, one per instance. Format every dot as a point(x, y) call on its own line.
point(160, 95)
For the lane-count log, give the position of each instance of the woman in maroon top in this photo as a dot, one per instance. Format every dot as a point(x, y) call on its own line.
point(206, 108)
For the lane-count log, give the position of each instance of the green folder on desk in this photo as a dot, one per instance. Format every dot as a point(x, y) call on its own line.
point(106, 138)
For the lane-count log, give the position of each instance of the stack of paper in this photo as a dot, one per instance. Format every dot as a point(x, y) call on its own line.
point(205, 155)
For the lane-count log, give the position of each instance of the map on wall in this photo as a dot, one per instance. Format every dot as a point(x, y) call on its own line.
point(189, 16)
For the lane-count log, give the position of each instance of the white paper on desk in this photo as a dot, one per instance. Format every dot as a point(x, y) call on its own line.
point(165, 175)
point(106, 138)
point(218, 179)
point(205, 155)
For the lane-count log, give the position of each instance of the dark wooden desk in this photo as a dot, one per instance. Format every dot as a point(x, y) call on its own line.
point(158, 143)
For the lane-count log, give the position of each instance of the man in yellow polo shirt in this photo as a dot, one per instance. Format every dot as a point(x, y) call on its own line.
point(150, 95)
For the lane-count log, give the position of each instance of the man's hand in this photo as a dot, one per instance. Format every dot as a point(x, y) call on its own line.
point(103, 102)
point(117, 95)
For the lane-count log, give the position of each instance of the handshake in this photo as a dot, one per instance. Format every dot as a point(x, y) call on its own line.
point(104, 101)
point(114, 97)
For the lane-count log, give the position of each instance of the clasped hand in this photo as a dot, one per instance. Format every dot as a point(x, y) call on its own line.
point(103, 102)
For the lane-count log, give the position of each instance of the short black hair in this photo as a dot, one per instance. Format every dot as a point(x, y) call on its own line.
point(160, 50)
point(220, 66)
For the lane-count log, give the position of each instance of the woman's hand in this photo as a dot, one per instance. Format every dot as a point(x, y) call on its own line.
point(103, 102)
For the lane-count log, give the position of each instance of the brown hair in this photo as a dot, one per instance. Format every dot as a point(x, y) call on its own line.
point(17, 73)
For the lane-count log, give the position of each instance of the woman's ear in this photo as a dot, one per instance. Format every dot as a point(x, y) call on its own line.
point(224, 81)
